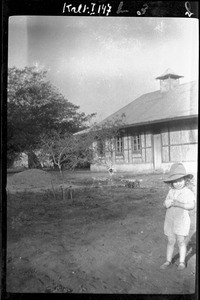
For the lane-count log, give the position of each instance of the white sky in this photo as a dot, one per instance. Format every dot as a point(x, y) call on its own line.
point(104, 63)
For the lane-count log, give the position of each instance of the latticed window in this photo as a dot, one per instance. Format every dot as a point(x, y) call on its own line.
point(136, 143)
point(119, 145)
point(100, 147)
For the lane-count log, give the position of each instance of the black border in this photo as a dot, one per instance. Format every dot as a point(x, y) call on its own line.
point(119, 8)
point(129, 8)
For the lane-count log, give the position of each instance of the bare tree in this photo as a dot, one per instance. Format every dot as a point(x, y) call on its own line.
point(57, 147)
point(103, 136)
point(68, 151)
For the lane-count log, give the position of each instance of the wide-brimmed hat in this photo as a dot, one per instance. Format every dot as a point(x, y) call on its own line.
point(177, 171)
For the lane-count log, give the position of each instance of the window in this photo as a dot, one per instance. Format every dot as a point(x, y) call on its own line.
point(100, 147)
point(119, 146)
point(136, 143)
point(180, 143)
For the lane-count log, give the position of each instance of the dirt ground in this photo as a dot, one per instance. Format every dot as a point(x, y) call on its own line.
point(108, 239)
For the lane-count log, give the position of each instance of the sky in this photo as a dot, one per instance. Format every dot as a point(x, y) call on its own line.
point(103, 63)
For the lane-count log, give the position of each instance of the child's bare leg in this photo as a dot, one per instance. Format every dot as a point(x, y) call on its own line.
point(170, 247)
point(181, 240)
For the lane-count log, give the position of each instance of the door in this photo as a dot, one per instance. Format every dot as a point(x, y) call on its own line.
point(157, 151)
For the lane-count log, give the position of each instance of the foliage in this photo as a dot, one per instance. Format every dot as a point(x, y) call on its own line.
point(35, 107)
point(69, 150)
point(66, 150)
point(105, 134)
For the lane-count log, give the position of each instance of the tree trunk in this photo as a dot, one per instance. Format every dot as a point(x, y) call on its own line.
point(33, 161)
point(63, 186)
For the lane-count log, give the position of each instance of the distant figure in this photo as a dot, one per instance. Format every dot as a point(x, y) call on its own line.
point(178, 202)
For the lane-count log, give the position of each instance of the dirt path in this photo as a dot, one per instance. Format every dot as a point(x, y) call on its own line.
point(109, 239)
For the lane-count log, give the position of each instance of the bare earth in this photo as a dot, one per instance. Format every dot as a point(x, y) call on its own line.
point(107, 239)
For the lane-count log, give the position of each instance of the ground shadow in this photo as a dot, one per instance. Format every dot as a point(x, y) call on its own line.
point(191, 249)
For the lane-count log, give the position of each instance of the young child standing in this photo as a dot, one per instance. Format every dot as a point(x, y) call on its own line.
point(179, 201)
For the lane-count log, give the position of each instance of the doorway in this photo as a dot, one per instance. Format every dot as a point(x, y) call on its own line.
point(157, 159)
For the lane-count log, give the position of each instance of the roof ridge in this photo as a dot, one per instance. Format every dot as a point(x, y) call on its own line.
point(155, 96)
point(145, 94)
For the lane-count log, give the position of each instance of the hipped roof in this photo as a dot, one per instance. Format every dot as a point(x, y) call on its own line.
point(155, 107)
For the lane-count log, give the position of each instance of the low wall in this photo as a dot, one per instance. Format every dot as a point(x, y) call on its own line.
point(191, 167)
point(136, 168)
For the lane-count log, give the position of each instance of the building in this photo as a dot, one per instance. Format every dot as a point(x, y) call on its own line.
point(160, 128)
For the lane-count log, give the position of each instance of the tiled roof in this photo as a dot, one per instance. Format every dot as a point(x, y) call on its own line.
point(181, 102)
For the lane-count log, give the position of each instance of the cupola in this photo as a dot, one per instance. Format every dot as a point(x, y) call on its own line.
point(168, 80)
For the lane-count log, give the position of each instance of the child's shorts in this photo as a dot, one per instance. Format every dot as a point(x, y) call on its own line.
point(177, 226)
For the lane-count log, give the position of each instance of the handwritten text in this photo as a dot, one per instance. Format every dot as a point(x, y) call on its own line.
point(90, 9)
point(188, 8)
point(143, 10)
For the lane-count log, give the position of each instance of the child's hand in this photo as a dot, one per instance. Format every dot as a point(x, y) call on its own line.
point(177, 203)
point(169, 203)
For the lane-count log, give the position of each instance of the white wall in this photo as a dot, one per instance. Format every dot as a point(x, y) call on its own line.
point(138, 168)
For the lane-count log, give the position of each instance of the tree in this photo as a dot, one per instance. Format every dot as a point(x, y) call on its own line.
point(65, 150)
point(34, 107)
point(68, 150)
point(104, 137)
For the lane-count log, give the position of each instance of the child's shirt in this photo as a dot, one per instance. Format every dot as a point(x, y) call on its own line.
point(177, 220)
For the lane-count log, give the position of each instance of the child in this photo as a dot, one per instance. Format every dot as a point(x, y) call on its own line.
point(178, 202)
